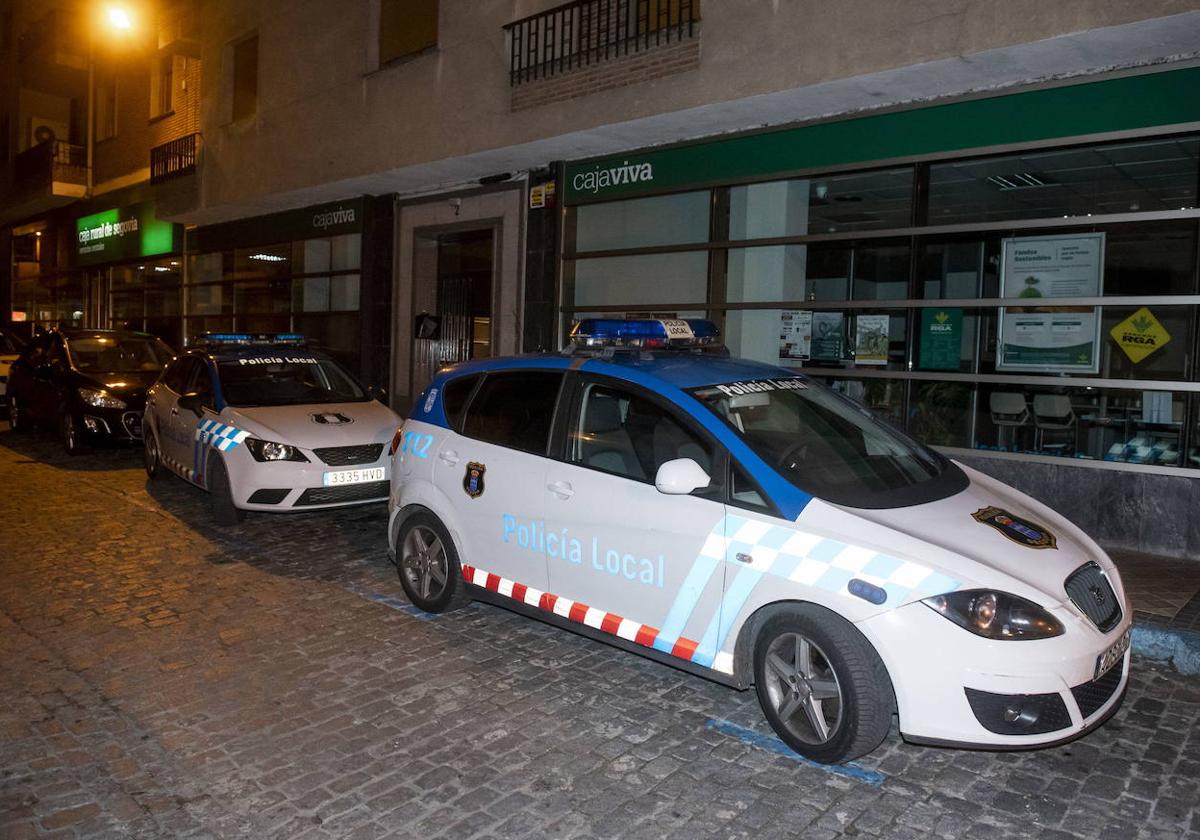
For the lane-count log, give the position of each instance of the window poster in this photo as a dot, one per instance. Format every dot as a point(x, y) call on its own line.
point(795, 333)
point(1041, 336)
point(871, 339)
point(827, 336)
point(941, 339)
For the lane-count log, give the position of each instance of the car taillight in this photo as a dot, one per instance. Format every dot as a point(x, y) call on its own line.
point(396, 441)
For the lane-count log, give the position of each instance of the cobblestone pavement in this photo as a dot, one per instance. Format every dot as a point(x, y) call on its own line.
point(160, 677)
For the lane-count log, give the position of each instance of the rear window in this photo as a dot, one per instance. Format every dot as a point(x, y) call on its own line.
point(454, 398)
point(515, 410)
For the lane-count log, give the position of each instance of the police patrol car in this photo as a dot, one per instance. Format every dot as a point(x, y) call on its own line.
point(744, 522)
point(264, 423)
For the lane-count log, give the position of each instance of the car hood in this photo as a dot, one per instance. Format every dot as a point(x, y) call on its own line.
point(344, 424)
point(953, 535)
point(132, 385)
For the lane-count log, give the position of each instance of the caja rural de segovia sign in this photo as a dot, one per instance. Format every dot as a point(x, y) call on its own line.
point(124, 233)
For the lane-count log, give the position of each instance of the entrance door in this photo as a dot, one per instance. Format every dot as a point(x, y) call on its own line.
point(454, 317)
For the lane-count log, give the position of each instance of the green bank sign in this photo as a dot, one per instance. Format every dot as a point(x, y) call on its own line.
point(1125, 104)
point(124, 233)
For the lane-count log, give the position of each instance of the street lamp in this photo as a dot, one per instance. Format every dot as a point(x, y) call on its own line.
point(117, 19)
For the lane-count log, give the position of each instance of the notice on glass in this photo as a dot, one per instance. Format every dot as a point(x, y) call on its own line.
point(828, 336)
point(1043, 337)
point(871, 339)
point(795, 334)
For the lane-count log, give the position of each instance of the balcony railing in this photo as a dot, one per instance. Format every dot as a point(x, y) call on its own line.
point(588, 32)
point(40, 166)
point(173, 159)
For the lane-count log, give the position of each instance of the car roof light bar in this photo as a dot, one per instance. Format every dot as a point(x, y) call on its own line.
point(659, 333)
point(230, 339)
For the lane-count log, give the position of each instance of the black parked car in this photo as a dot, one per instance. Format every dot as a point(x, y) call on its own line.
point(90, 385)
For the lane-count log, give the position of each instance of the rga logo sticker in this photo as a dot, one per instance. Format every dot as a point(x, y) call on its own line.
point(1028, 534)
point(331, 418)
point(473, 479)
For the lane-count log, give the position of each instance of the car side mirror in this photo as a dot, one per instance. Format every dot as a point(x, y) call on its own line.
point(193, 402)
point(680, 477)
point(377, 392)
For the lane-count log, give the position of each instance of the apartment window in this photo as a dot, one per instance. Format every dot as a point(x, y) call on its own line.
point(406, 27)
point(162, 89)
point(106, 109)
point(245, 78)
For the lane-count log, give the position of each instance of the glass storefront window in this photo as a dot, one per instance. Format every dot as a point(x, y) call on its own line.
point(940, 413)
point(819, 337)
point(335, 253)
point(880, 272)
point(650, 279)
point(1105, 424)
point(662, 220)
point(822, 204)
point(1141, 176)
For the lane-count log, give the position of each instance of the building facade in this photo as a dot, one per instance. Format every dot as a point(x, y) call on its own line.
point(978, 219)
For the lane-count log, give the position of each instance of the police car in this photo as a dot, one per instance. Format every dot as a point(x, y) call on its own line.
point(264, 423)
point(744, 522)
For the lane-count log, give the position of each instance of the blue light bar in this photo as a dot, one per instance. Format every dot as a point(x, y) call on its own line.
point(644, 332)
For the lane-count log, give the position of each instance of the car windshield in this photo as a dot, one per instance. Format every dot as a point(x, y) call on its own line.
point(110, 354)
point(829, 447)
point(10, 345)
point(289, 379)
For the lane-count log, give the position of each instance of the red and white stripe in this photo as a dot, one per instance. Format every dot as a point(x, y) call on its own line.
point(606, 622)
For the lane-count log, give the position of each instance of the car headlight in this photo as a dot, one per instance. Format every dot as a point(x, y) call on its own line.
point(99, 399)
point(268, 450)
point(996, 615)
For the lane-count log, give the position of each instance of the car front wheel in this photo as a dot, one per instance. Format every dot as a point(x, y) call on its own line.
point(17, 419)
point(428, 565)
point(220, 495)
point(152, 457)
point(822, 686)
point(68, 432)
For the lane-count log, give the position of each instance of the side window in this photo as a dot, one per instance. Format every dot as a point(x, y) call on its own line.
point(743, 492)
point(176, 375)
point(620, 432)
point(57, 354)
point(454, 397)
point(200, 382)
point(515, 410)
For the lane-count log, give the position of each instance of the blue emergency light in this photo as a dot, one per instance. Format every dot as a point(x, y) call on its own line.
point(682, 333)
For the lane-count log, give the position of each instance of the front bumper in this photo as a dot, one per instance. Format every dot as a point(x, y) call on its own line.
point(291, 487)
point(100, 424)
point(955, 688)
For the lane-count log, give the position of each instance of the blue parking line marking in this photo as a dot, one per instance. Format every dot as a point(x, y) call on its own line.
point(773, 744)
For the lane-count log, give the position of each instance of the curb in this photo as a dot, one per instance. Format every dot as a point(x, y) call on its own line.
point(1180, 648)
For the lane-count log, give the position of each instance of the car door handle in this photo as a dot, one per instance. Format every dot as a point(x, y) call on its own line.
point(561, 489)
point(449, 456)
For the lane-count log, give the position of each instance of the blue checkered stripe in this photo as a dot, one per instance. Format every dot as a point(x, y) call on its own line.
point(802, 558)
point(224, 438)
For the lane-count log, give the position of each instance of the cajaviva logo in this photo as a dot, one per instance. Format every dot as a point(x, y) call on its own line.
point(599, 179)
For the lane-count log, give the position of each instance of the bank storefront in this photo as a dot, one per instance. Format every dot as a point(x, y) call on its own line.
point(1012, 278)
point(297, 271)
point(109, 263)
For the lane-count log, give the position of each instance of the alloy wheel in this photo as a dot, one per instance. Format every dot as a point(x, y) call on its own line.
point(423, 562)
point(803, 688)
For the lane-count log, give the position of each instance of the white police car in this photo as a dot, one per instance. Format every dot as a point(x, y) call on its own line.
point(747, 523)
point(264, 423)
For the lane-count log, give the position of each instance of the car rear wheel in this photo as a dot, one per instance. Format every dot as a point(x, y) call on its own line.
point(68, 433)
point(152, 457)
point(220, 495)
point(822, 686)
point(428, 565)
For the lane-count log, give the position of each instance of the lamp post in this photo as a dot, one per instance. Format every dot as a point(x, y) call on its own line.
point(117, 19)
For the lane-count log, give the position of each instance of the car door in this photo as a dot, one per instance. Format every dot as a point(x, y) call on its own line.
point(50, 381)
point(493, 473)
point(199, 383)
point(650, 565)
point(173, 440)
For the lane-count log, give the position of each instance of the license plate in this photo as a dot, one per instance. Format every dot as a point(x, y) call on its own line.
point(1111, 656)
point(337, 478)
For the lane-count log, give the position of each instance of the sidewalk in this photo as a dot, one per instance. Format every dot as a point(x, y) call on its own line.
point(1166, 606)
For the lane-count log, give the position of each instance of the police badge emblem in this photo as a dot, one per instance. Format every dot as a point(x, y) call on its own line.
point(473, 479)
point(1022, 531)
